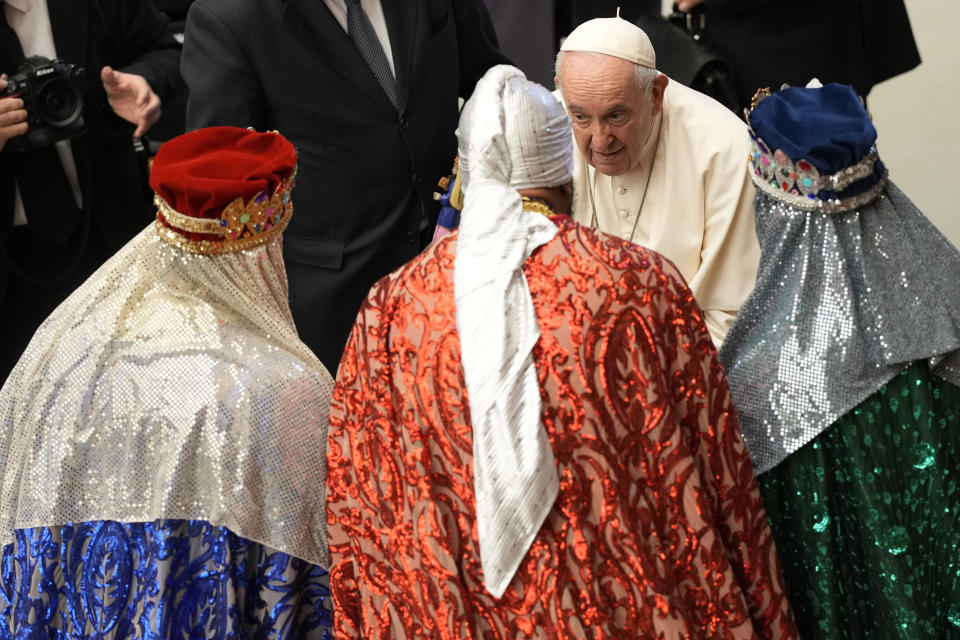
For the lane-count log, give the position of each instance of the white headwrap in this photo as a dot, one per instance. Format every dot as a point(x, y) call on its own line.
point(513, 134)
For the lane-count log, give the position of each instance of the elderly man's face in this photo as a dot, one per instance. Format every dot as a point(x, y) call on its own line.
point(611, 116)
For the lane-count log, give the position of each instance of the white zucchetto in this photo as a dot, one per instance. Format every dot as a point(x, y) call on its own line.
point(613, 37)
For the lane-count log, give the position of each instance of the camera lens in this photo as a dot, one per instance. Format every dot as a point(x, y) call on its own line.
point(59, 103)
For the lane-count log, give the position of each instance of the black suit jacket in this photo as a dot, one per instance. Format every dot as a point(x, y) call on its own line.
point(37, 274)
point(131, 37)
point(367, 171)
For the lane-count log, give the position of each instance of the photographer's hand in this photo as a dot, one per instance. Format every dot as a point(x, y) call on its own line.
point(686, 5)
point(12, 116)
point(131, 98)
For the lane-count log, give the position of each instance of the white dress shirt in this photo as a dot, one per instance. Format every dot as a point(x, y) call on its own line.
point(374, 11)
point(30, 20)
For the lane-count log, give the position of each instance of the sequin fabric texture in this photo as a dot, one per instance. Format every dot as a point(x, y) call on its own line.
point(843, 302)
point(163, 580)
point(867, 517)
point(658, 530)
point(171, 385)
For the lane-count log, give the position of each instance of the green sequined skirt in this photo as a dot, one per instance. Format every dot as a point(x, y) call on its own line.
point(866, 517)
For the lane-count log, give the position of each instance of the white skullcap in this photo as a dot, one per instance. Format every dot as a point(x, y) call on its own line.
point(513, 134)
point(613, 37)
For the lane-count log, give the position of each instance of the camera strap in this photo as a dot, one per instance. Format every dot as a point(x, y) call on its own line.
point(11, 53)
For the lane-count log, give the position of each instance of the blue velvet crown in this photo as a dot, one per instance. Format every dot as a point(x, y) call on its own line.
point(814, 148)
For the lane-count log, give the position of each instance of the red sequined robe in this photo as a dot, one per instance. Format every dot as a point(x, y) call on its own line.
point(658, 530)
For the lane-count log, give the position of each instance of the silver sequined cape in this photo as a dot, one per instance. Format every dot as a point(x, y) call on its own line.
point(842, 303)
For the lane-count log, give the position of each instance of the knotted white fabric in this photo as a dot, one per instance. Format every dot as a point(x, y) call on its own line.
point(513, 134)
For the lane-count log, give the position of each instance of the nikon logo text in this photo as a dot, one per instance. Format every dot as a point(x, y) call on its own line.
point(44, 72)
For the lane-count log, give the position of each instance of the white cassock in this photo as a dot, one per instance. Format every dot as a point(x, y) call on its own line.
point(699, 204)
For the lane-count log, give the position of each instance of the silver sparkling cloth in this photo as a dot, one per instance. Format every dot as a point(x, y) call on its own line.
point(171, 385)
point(842, 303)
point(513, 134)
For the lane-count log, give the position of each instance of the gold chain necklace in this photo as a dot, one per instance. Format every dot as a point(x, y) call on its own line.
point(536, 205)
point(646, 183)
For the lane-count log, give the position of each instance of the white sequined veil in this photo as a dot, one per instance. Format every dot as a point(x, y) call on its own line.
point(171, 385)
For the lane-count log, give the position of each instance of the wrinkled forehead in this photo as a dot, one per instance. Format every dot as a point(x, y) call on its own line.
point(598, 81)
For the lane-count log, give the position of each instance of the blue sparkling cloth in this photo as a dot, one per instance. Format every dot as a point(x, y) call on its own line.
point(168, 579)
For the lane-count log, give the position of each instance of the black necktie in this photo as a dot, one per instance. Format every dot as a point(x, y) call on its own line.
point(48, 201)
point(365, 40)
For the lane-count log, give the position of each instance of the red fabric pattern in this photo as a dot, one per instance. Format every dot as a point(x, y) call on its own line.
point(658, 530)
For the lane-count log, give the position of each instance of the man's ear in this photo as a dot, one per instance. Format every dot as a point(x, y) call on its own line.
point(656, 92)
point(556, 82)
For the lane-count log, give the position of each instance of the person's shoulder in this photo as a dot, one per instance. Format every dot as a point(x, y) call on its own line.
point(429, 273)
point(610, 273)
point(592, 248)
point(710, 132)
point(233, 12)
point(701, 111)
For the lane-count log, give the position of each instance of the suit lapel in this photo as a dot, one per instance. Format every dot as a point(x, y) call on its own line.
point(401, 18)
point(312, 23)
point(68, 20)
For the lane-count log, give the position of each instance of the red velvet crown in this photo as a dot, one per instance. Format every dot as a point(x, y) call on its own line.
point(223, 188)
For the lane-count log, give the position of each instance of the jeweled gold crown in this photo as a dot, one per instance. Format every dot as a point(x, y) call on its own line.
point(241, 225)
point(223, 189)
point(801, 184)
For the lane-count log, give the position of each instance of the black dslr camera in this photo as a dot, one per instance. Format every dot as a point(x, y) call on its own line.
point(52, 94)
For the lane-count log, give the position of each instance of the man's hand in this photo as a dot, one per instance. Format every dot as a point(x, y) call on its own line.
point(131, 98)
point(686, 5)
point(13, 117)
